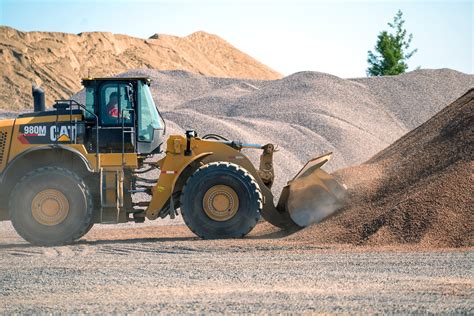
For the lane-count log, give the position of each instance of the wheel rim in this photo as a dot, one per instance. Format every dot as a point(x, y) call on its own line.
point(50, 207)
point(220, 203)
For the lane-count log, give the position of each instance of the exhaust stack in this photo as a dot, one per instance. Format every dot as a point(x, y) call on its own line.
point(38, 99)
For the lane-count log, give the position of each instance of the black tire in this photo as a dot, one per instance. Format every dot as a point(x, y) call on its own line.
point(88, 228)
point(230, 175)
point(77, 220)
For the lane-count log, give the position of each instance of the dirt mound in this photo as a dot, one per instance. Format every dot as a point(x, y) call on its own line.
point(58, 61)
point(416, 191)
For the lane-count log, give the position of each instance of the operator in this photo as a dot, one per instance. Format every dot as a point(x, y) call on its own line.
point(112, 105)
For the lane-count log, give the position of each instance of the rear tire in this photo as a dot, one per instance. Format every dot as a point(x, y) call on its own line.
point(51, 206)
point(221, 200)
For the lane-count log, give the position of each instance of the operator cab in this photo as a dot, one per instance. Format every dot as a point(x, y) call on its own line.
point(127, 117)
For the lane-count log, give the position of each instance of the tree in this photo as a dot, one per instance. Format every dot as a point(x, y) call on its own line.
point(390, 50)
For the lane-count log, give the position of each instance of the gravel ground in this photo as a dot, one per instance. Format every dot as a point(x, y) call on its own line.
point(165, 269)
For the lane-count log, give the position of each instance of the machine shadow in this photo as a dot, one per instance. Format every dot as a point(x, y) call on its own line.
point(133, 240)
point(142, 240)
point(104, 242)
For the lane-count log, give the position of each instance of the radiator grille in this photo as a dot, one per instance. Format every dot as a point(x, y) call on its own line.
point(3, 142)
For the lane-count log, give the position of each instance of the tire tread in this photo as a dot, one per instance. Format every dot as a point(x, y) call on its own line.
point(236, 168)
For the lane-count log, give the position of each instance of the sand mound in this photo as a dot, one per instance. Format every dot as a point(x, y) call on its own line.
point(418, 190)
point(58, 61)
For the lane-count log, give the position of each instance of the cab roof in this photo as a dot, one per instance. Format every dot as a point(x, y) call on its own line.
point(86, 80)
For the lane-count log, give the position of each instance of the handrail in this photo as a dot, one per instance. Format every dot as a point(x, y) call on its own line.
point(131, 112)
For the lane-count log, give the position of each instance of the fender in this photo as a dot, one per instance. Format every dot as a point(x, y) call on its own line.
point(177, 159)
point(171, 168)
point(11, 163)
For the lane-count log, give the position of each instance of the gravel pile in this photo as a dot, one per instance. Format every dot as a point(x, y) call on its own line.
point(415, 97)
point(418, 190)
point(307, 113)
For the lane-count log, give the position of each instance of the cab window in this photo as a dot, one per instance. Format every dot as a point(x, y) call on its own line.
point(115, 104)
point(90, 106)
point(148, 118)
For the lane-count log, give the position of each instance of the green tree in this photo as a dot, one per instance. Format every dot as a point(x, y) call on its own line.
point(391, 50)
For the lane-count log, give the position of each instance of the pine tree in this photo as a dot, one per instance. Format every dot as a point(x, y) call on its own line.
point(390, 56)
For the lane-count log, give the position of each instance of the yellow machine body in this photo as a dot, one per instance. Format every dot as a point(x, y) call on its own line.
point(12, 145)
point(172, 166)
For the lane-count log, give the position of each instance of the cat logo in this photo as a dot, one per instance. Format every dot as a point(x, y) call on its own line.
point(62, 133)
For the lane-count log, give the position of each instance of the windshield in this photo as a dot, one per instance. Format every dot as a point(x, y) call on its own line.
point(148, 118)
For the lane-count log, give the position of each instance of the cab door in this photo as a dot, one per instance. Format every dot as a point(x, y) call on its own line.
point(116, 117)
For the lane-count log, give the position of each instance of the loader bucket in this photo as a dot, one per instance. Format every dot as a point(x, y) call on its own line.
point(309, 197)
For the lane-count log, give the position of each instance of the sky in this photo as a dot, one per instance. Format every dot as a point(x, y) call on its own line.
point(288, 36)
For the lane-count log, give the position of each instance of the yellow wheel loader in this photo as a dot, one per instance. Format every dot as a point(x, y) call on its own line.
point(65, 169)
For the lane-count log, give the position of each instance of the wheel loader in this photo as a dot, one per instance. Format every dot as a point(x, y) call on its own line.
point(65, 169)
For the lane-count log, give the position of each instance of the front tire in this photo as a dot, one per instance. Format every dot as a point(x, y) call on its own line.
point(221, 200)
point(51, 206)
